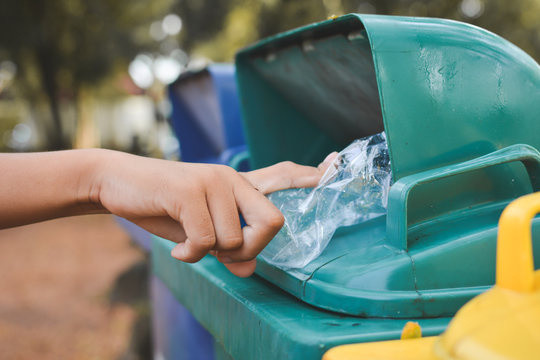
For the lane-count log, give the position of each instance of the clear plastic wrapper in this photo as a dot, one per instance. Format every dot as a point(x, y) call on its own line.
point(353, 190)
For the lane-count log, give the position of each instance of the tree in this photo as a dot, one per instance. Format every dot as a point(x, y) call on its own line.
point(63, 45)
point(218, 28)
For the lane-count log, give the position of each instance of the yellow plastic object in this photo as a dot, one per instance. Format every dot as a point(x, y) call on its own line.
point(503, 323)
point(515, 269)
point(411, 330)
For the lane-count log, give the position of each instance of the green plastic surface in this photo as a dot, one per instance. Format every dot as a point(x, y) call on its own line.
point(460, 107)
point(446, 91)
point(396, 224)
point(252, 319)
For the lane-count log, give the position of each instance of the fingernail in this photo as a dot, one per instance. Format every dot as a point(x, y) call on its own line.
point(225, 260)
point(177, 252)
point(327, 158)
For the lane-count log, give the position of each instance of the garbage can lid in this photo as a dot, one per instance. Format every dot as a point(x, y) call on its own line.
point(452, 98)
point(443, 91)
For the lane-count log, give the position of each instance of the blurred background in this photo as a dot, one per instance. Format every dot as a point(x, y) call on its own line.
point(78, 74)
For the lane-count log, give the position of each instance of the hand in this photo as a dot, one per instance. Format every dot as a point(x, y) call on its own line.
point(198, 205)
point(281, 176)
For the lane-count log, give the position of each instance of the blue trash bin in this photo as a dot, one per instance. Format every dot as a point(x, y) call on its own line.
point(206, 117)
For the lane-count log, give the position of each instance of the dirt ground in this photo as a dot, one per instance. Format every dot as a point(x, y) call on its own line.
point(54, 281)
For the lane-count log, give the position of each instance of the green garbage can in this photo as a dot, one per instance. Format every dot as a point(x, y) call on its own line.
point(459, 106)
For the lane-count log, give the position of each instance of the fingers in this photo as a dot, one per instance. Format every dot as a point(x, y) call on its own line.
point(287, 175)
point(263, 221)
point(222, 206)
point(328, 160)
point(210, 217)
point(197, 223)
point(242, 269)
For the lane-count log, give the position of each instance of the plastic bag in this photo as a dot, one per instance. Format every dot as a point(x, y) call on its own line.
point(353, 190)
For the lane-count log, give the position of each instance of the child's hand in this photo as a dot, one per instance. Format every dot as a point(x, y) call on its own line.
point(198, 205)
point(273, 178)
point(195, 205)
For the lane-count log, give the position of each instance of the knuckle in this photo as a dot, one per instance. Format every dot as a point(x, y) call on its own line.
point(287, 165)
point(275, 221)
point(219, 173)
point(220, 170)
point(231, 242)
point(206, 241)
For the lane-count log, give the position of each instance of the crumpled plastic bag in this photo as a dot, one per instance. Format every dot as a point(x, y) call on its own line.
point(353, 190)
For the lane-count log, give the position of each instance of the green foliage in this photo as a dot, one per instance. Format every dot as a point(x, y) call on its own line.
point(218, 28)
point(63, 45)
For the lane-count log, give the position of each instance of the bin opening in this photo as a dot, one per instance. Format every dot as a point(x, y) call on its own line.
point(320, 89)
point(331, 81)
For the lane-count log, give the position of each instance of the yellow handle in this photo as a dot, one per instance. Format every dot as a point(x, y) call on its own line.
point(515, 266)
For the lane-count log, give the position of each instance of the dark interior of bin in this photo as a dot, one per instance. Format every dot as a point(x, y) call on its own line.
point(313, 96)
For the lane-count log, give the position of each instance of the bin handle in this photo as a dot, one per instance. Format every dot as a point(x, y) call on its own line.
point(515, 265)
point(396, 221)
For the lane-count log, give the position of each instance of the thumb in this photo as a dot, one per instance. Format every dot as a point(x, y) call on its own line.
point(286, 175)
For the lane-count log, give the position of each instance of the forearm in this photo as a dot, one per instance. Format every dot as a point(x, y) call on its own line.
point(195, 205)
point(41, 186)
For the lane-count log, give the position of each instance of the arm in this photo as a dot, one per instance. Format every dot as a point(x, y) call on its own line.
point(42, 186)
point(195, 205)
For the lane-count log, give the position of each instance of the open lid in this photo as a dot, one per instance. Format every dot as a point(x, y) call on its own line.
point(452, 98)
point(445, 91)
